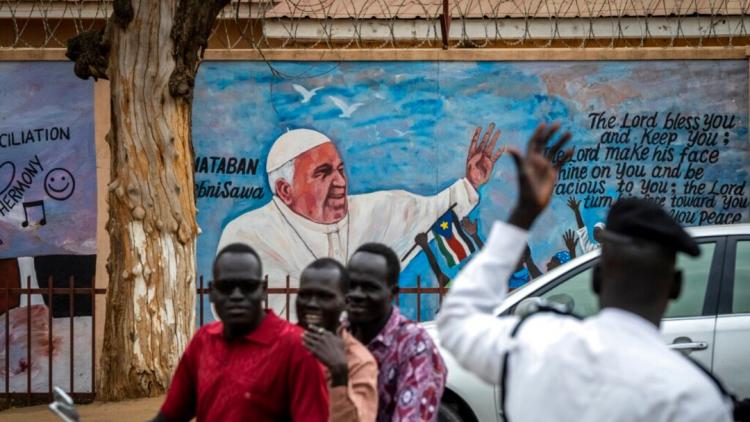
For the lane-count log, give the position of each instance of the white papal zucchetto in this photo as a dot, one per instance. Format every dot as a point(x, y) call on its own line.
point(292, 144)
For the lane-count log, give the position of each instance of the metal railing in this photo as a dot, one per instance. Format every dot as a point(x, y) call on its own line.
point(50, 292)
point(288, 291)
point(54, 290)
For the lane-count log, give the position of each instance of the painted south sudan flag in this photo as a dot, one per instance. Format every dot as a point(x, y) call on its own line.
point(454, 244)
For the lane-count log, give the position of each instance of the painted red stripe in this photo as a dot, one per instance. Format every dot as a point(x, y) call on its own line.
point(457, 247)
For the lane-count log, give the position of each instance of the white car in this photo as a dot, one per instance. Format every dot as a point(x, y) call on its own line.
point(710, 321)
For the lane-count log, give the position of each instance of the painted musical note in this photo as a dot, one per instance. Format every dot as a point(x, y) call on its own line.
point(33, 204)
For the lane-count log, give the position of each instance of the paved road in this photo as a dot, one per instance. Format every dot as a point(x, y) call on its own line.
point(131, 411)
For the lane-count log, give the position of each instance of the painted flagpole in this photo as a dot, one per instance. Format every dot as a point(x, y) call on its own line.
point(428, 229)
point(423, 242)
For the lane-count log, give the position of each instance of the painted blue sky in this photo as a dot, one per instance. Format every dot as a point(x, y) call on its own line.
point(413, 127)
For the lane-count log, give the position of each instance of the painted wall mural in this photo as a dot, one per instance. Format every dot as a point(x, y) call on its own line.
point(47, 221)
point(313, 159)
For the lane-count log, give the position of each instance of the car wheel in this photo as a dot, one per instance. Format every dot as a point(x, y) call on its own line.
point(446, 413)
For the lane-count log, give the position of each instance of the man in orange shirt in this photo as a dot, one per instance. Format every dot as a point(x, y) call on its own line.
point(352, 372)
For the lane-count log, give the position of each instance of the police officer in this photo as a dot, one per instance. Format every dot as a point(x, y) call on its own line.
point(613, 366)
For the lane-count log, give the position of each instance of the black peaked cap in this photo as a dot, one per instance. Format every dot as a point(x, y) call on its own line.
point(644, 219)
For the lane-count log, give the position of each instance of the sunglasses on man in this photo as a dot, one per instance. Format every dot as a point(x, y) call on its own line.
point(246, 285)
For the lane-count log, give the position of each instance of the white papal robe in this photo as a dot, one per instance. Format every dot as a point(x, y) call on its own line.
point(288, 242)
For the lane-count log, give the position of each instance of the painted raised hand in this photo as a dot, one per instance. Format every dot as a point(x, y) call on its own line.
point(482, 155)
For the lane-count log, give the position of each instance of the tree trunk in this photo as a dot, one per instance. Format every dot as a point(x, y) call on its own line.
point(150, 52)
point(152, 228)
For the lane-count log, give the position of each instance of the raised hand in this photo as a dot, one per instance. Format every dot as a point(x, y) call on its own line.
point(482, 156)
point(571, 240)
point(469, 226)
point(537, 174)
point(573, 204)
point(421, 240)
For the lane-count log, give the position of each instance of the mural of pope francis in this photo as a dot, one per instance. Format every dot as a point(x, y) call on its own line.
point(311, 214)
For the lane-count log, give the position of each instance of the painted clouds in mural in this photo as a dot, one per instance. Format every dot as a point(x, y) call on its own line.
point(47, 220)
point(325, 156)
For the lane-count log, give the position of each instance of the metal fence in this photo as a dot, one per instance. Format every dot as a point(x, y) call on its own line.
point(418, 291)
point(55, 291)
point(51, 293)
point(326, 24)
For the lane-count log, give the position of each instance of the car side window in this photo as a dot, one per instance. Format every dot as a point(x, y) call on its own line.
point(696, 272)
point(741, 293)
point(576, 291)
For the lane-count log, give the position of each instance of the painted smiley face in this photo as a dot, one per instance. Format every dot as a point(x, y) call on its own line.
point(59, 184)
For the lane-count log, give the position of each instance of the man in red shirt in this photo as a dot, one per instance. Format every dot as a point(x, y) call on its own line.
point(251, 365)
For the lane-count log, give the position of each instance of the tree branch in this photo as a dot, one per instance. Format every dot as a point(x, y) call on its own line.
point(122, 12)
point(90, 52)
point(193, 22)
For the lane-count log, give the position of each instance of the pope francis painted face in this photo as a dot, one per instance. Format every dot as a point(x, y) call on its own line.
point(318, 188)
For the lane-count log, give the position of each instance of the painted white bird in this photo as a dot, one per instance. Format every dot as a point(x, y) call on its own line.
point(305, 93)
point(379, 96)
point(346, 109)
point(400, 133)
